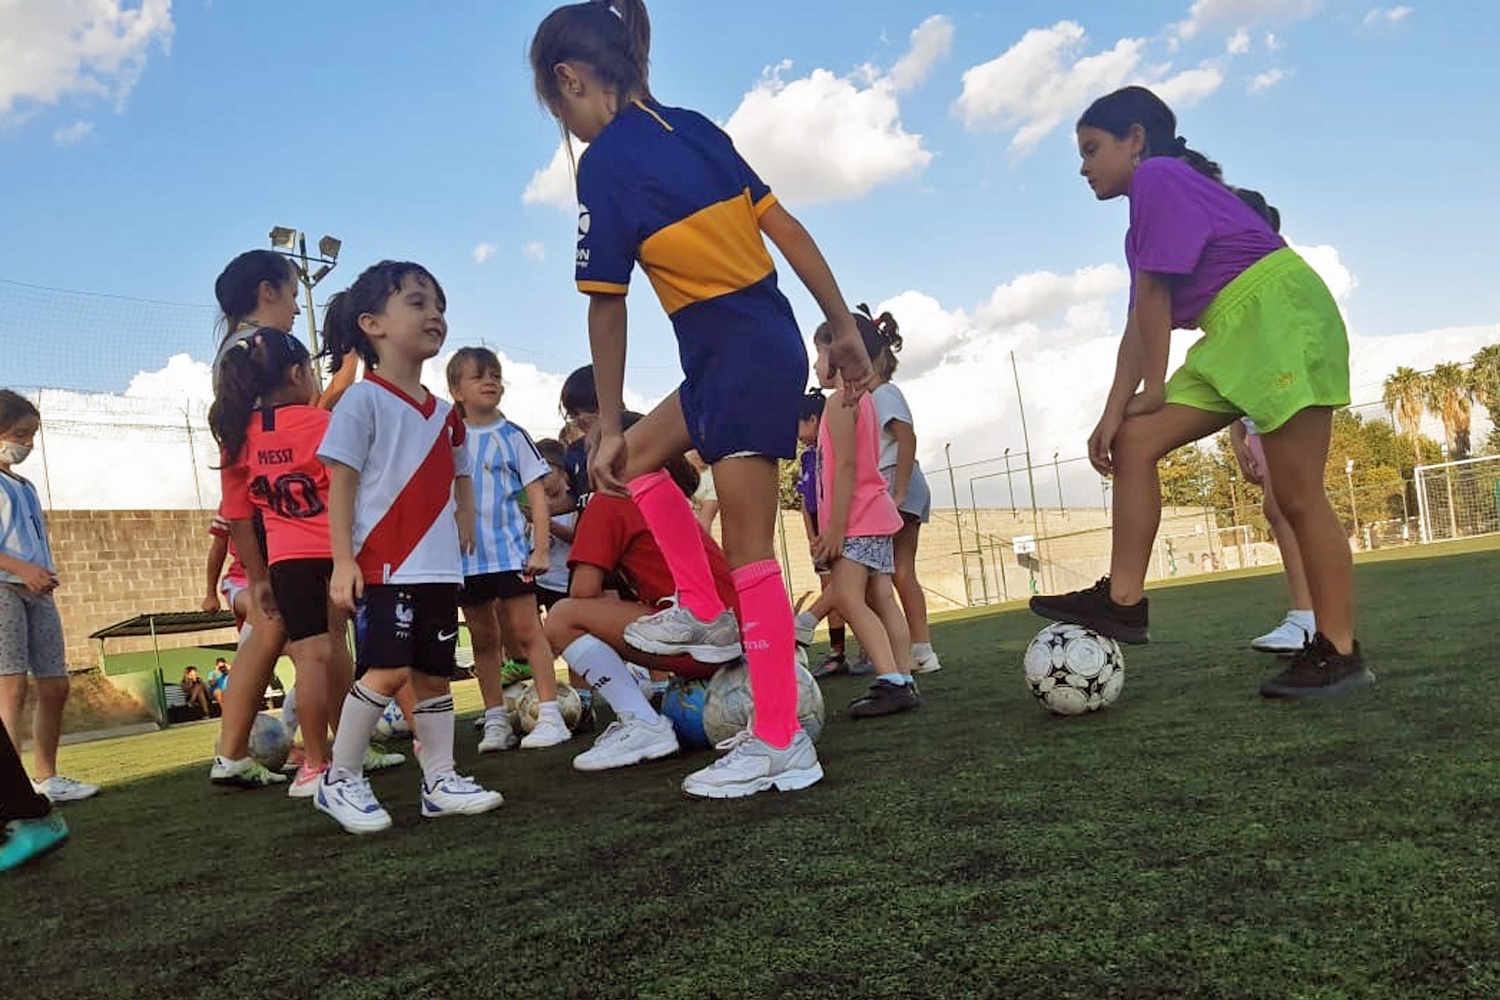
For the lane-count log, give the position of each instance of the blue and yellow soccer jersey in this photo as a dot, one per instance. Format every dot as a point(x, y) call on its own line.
point(665, 186)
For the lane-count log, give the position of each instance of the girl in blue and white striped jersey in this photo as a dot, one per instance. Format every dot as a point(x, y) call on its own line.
point(500, 574)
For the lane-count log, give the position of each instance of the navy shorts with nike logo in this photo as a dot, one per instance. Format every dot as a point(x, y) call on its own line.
point(407, 625)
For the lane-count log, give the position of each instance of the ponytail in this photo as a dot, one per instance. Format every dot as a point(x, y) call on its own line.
point(1118, 112)
point(888, 342)
point(369, 294)
point(611, 37)
point(253, 367)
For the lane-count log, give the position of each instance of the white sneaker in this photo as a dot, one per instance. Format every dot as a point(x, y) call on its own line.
point(753, 765)
point(548, 733)
point(1295, 631)
point(305, 784)
point(676, 631)
point(244, 773)
point(926, 665)
point(62, 789)
point(347, 797)
point(806, 624)
point(629, 740)
point(498, 735)
point(455, 795)
point(377, 759)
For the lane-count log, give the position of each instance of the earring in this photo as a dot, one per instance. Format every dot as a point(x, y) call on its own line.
point(1135, 159)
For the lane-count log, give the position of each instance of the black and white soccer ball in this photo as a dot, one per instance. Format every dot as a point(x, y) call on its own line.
point(1071, 670)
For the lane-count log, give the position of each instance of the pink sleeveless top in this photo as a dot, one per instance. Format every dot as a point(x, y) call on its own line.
point(871, 509)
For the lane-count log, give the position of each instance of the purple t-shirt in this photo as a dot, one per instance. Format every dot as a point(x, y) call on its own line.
point(807, 482)
point(1193, 229)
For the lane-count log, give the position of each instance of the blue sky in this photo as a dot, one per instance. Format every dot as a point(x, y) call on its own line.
point(137, 163)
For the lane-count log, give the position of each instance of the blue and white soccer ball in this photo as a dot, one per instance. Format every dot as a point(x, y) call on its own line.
point(1071, 670)
point(269, 743)
point(683, 704)
point(392, 725)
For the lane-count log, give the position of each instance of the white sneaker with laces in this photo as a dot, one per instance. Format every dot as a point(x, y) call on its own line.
point(377, 759)
point(59, 788)
point(676, 631)
point(548, 733)
point(629, 740)
point(456, 795)
point(305, 784)
point(348, 798)
point(498, 736)
point(806, 624)
point(1295, 631)
point(926, 665)
point(753, 765)
point(245, 773)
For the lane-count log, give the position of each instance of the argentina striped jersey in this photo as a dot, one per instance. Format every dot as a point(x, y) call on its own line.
point(505, 463)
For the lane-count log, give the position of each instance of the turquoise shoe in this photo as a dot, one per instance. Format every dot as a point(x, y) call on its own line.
point(30, 838)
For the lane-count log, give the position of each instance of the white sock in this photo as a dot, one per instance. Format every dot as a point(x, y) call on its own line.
point(497, 714)
point(548, 710)
point(921, 650)
point(432, 725)
point(898, 679)
point(604, 671)
point(362, 708)
point(289, 713)
point(1303, 617)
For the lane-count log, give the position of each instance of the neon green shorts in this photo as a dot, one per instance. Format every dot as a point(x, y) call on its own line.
point(1273, 345)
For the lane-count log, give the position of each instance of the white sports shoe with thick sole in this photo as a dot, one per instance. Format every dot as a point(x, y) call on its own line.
point(547, 733)
point(456, 795)
point(629, 740)
point(753, 765)
point(1295, 631)
point(348, 798)
point(676, 631)
point(498, 736)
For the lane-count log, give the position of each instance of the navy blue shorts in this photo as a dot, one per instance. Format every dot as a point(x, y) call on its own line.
point(744, 393)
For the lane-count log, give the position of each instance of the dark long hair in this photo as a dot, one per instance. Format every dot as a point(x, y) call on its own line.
point(369, 294)
point(15, 408)
point(252, 368)
point(1117, 112)
point(611, 37)
point(237, 288)
point(878, 335)
point(888, 332)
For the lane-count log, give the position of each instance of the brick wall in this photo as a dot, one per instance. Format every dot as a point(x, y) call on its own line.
point(115, 564)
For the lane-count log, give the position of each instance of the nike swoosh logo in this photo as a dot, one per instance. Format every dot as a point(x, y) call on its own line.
point(445, 636)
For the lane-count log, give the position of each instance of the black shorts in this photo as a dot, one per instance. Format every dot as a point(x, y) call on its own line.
point(487, 587)
point(546, 598)
point(407, 625)
point(301, 589)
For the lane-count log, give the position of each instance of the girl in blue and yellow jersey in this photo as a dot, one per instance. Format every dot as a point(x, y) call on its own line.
point(665, 187)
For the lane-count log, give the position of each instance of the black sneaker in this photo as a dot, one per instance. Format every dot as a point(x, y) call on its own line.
point(1093, 609)
point(1320, 671)
point(884, 698)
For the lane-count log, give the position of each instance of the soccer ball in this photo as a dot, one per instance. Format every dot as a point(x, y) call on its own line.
point(392, 724)
point(727, 708)
point(1071, 670)
point(269, 742)
point(528, 705)
point(683, 704)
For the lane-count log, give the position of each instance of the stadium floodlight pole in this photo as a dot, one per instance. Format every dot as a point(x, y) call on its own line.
point(1057, 472)
point(1353, 509)
point(963, 556)
point(1036, 524)
point(984, 584)
point(292, 244)
point(1010, 486)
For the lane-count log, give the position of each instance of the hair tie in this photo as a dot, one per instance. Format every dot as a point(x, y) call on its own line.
point(1179, 146)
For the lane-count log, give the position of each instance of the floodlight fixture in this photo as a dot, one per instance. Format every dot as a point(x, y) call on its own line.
point(283, 238)
point(328, 247)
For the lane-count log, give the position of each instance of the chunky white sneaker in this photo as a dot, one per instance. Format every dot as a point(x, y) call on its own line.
point(347, 797)
point(498, 735)
point(806, 623)
point(305, 784)
point(244, 773)
point(455, 795)
point(676, 631)
point(63, 789)
point(629, 740)
point(377, 759)
point(753, 765)
point(926, 665)
point(548, 733)
point(1295, 631)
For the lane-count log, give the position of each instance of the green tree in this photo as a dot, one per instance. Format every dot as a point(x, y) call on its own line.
point(1448, 393)
point(1484, 382)
point(1404, 392)
point(787, 496)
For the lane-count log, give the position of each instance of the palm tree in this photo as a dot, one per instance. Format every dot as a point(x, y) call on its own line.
point(1484, 379)
point(1447, 393)
point(1404, 391)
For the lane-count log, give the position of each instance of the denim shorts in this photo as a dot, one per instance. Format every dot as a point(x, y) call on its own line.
point(876, 553)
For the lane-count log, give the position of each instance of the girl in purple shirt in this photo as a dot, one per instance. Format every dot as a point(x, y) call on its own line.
point(1205, 255)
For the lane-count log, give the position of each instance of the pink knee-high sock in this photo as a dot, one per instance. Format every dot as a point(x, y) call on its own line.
point(771, 649)
point(678, 535)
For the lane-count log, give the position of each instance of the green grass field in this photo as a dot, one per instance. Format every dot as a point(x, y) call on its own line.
point(1190, 842)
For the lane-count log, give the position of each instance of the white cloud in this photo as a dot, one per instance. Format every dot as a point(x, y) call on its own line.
point(1204, 13)
point(1324, 259)
point(554, 184)
point(534, 251)
point(1239, 43)
point(1386, 15)
point(55, 49)
point(1274, 44)
point(1044, 80)
point(931, 41)
point(484, 252)
point(71, 135)
point(1267, 80)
